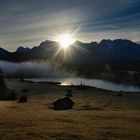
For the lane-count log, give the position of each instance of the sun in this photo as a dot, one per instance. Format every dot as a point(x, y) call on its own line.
point(65, 40)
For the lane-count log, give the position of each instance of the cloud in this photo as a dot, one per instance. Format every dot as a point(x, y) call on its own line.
point(25, 20)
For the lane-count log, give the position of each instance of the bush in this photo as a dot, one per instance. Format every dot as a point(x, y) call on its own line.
point(6, 94)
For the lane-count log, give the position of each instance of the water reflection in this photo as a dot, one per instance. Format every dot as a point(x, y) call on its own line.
point(91, 82)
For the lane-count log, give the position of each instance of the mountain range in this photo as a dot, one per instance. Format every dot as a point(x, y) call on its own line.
point(118, 50)
point(115, 60)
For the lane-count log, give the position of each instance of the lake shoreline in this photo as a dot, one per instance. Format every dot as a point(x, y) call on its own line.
point(95, 83)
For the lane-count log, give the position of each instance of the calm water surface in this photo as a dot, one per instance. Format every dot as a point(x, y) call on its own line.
point(103, 84)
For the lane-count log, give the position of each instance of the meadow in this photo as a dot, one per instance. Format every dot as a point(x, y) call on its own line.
point(97, 114)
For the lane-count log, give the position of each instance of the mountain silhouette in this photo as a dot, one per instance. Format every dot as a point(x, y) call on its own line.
point(118, 50)
point(117, 60)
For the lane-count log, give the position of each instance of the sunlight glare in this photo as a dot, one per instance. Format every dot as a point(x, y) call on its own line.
point(65, 40)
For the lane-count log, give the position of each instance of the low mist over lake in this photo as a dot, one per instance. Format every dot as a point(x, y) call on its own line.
point(33, 69)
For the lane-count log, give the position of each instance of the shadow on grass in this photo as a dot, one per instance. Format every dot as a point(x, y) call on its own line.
point(86, 107)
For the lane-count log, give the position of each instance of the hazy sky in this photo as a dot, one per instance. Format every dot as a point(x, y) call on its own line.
point(28, 22)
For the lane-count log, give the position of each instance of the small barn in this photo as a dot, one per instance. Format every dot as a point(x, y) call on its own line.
point(63, 103)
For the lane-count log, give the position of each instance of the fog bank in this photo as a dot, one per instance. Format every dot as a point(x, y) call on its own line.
point(34, 69)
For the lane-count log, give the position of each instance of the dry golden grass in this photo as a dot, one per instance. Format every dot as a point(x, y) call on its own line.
point(97, 115)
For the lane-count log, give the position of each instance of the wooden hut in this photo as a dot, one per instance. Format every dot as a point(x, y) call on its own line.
point(63, 104)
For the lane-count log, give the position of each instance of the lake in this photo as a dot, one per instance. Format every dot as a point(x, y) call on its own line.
point(103, 84)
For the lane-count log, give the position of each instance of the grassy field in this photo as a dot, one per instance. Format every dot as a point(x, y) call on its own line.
point(96, 115)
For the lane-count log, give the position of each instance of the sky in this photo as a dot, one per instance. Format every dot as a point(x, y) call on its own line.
point(29, 22)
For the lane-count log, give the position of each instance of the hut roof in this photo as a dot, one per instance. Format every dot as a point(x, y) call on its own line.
point(64, 100)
